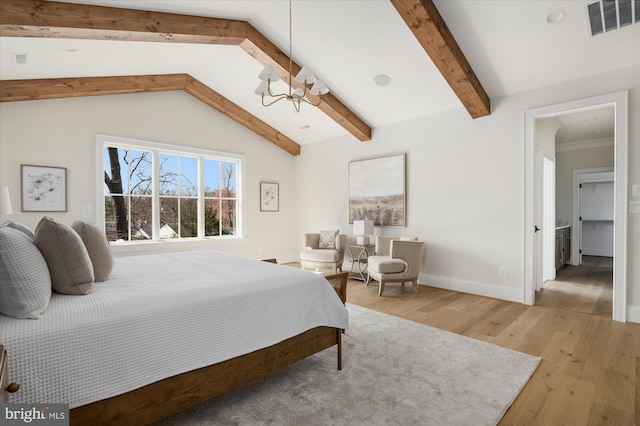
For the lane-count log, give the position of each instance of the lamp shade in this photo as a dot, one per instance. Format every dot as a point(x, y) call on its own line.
point(5, 200)
point(269, 73)
point(262, 89)
point(319, 88)
point(305, 76)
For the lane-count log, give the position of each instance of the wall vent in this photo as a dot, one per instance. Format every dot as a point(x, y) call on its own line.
point(609, 15)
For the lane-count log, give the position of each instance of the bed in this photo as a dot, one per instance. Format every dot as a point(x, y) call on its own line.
point(168, 331)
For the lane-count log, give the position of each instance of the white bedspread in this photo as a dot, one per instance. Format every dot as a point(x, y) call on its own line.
point(158, 316)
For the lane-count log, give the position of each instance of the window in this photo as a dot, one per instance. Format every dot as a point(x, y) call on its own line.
point(158, 192)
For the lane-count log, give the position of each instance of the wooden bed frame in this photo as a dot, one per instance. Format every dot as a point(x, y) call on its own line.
point(174, 394)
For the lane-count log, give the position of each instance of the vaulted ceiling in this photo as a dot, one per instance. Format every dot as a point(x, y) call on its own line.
point(486, 49)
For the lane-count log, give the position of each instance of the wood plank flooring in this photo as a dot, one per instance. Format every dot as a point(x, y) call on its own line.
point(590, 369)
point(587, 288)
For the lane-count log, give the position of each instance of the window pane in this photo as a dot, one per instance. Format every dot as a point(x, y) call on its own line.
point(141, 224)
point(188, 217)
point(228, 217)
point(228, 180)
point(168, 218)
point(168, 173)
point(140, 172)
point(188, 176)
point(211, 218)
point(114, 228)
point(211, 177)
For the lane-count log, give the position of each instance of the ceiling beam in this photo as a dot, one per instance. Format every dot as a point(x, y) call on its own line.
point(427, 25)
point(56, 88)
point(39, 18)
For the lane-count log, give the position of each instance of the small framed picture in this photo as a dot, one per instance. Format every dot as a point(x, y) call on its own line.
point(43, 188)
point(269, 197)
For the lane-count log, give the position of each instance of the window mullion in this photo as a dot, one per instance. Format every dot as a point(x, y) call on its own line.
point(201, 218)
point(155, 195)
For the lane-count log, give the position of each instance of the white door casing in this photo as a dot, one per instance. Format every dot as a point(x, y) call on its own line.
point(620, 102)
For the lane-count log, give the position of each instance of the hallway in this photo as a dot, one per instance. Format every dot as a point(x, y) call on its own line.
point(587, 288)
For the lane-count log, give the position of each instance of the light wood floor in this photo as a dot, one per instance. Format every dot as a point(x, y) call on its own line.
point(587, 288)
point(590, 369)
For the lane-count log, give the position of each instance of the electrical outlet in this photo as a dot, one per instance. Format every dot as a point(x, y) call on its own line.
point(634, 207)
point(86, 209)
point(502, 271)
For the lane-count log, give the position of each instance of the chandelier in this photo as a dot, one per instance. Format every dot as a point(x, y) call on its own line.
point(296, 96)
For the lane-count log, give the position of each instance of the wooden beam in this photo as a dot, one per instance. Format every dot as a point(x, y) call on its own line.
point(55, 88)
point(427, 25)
point(35, 18)
point(233, 111)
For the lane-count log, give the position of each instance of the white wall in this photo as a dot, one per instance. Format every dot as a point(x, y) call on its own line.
point(465, 183)
point(62, 133)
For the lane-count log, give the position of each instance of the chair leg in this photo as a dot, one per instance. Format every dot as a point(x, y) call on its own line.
point(381, 288)
point(415, 285)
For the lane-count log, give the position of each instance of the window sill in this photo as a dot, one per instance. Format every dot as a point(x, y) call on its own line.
point(166, 246)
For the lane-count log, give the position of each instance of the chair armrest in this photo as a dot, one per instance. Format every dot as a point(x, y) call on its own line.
point(311, 240)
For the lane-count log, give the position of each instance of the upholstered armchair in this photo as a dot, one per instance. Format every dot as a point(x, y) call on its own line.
point(323, 250)
point(395, 260)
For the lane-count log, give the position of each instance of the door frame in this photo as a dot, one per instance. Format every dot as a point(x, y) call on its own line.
point(620, 102)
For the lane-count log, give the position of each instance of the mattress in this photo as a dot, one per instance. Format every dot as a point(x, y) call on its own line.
point(158, 316)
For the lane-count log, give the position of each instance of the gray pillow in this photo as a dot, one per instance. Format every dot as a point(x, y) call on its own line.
point(97, 245)
point(68, 260)
point(19, 227)
point(25, 285)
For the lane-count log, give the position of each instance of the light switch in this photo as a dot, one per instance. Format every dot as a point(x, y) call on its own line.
point(635, 190)
point(634, 207)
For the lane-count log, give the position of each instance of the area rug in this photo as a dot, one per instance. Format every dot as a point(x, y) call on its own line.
point(395, 372)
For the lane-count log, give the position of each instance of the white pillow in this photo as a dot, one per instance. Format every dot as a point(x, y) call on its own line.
point(19, 226)
point(25, 285)
point(328, 239)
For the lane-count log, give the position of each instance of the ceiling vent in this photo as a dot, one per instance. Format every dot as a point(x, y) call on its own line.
point(609, 15)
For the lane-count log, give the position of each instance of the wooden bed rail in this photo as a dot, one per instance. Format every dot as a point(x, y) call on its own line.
point(172, 395)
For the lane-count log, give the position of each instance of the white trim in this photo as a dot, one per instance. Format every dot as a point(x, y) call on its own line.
point(620, 100)
point(588, 144)
point(633, 313)
point(576, 231)
point(512, 294)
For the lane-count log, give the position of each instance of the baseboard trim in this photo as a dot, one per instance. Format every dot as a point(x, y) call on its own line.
point(472, 287)
point(633, 313)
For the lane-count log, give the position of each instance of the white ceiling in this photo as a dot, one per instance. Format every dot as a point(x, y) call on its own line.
point(346, 43)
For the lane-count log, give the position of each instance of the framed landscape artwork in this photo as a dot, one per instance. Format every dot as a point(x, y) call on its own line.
point(43, 189)
point(269, 197)
point(377, 190)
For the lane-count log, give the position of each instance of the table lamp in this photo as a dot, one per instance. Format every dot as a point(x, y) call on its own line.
point(362, 229)
point(5, 201)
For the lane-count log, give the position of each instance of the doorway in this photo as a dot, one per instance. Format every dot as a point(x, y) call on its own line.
point(619, 101)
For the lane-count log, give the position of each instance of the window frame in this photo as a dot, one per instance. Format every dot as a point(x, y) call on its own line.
point(156, 148)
